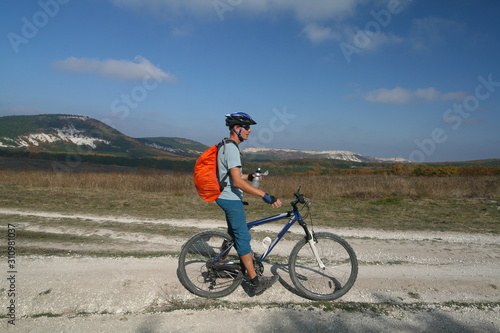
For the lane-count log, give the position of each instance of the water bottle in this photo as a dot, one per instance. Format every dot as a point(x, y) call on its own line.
point(266, 242)
point(256, 178)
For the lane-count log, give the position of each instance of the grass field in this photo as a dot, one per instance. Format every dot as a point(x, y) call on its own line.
point(461, 204)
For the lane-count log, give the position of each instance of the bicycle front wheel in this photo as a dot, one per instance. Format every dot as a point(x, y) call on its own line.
point(196, 268)
point(327, 283)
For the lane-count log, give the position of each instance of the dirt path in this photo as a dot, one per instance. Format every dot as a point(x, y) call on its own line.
point(407, 282)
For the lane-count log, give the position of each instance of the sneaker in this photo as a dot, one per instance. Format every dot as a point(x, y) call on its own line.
point(264, 282)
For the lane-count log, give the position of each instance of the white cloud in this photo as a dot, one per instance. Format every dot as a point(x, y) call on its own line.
point(314, 14)
point(369, 41)
point(168, 9)
point(397, 95)
point(314, 10)
point(317, 34)
point(454, 96)
point(181, 31)
point(304, 11)
point(383, 39)
point(323, 20)
point(400, 95)
point(428, 94)
point(117, 69)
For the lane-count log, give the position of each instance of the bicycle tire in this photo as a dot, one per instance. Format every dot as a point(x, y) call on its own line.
point(336, 279)
point(193, 269)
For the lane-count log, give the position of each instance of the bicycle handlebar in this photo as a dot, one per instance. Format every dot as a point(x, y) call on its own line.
point(299, 198)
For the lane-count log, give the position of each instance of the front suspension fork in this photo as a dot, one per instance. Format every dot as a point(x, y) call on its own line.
point(312, 243)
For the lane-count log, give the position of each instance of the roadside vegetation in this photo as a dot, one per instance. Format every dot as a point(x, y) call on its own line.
point(390, 202)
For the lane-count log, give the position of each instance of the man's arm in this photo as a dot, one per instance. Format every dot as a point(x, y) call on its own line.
point(246, 187)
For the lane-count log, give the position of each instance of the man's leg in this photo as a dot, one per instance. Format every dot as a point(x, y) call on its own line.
point(236, 219)
point(247, 261)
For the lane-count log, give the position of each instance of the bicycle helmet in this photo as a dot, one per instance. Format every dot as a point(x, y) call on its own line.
point(239, 118)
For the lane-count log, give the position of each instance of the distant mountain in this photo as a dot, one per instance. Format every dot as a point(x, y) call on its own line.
point(178, 146)
point(84, 135)
point(269, 154)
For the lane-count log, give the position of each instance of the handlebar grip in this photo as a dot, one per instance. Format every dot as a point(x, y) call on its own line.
point(300, 198)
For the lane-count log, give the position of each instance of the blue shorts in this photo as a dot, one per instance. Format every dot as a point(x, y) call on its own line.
point(237, 224)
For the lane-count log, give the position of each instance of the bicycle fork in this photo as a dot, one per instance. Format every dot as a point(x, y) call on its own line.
point(312, 244)
point(316, 254)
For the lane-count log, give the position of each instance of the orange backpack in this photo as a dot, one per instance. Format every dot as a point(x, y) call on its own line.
point(206, 173)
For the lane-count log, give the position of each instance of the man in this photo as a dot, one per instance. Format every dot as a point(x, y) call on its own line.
point(229, 163)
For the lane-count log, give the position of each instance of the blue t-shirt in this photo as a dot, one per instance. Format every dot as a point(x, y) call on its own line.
point(229, 157)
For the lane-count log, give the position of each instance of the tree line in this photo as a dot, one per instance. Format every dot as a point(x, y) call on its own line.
point(299, 167)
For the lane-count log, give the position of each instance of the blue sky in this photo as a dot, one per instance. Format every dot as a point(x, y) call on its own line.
point(414, 79)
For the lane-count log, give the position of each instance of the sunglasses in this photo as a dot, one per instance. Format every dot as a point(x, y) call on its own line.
point(247, 127)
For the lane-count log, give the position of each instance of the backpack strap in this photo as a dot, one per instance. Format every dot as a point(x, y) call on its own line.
point(223, 182)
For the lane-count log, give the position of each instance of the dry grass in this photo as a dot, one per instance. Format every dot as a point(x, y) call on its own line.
point(144, 182)
point(359, 186)
point(379, 186)
point(466, 204)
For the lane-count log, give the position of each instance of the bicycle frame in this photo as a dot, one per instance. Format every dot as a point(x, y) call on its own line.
point(294, 216)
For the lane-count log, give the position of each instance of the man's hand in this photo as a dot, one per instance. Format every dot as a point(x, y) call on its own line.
point(272, 200)
point(277, 204)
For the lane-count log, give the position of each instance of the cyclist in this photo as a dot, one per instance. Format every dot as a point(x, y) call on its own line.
point(230, 200)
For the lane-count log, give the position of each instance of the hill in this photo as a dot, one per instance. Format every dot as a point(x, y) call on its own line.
point(267, 154)
point(179, 146)
point(84, 135)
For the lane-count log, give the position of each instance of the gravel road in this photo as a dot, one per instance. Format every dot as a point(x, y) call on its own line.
point(407, 282)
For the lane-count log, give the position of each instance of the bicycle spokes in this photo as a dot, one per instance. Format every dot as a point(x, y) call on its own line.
point(330, 277)
point(201, 269)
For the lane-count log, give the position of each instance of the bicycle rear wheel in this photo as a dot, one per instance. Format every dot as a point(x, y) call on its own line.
point(329, 283)
point(197, 270)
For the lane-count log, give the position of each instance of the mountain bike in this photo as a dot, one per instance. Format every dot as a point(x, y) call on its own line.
point(322, 265)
